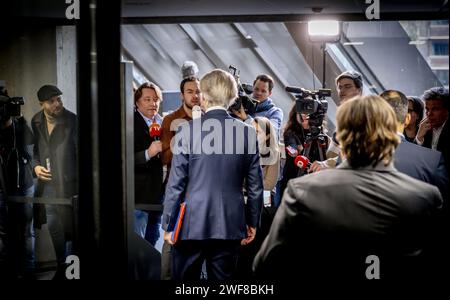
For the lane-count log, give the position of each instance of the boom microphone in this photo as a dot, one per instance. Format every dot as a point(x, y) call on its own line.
point(189, 69)
point(302, 162)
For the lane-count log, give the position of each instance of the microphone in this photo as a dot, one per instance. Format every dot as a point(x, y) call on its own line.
point(291, 151)
point(294, 90)
point(155, 131)
point(302, 162)
point(196, 112)
point(189, 69)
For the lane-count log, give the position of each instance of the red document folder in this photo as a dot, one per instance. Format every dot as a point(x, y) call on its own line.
point(179, 223)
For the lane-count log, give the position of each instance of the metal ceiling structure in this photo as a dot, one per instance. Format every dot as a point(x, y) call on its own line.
point(182, 11)
point(255, 48)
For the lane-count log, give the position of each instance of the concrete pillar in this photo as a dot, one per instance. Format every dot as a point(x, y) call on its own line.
point(66, 57)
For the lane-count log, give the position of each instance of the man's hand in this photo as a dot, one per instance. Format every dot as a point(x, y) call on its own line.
point(240, 114)
point(317, 166)
point(251, 232)
point(154, 149)
point(42, 173)
point(424, 126)
point(168, 237)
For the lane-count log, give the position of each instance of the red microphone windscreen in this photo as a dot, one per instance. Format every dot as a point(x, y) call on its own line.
point(155, 130)
point(301, 161)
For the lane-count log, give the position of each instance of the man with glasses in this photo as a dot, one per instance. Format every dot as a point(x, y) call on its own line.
point(349, 84)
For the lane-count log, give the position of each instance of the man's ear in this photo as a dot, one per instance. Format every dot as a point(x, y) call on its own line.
point(407, 119)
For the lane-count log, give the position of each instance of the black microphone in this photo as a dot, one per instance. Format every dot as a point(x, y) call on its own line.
point(294, 90)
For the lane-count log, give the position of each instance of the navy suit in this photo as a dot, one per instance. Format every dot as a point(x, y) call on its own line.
point(422, 163)
point(212, 185)
point(429, 166)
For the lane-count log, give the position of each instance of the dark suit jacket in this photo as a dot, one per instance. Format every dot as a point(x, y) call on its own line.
point(330, 221)
point(212, 184)
point(147, 175)
point(421, 163)
point(443, 143)
point(62, 150)
point(145, 260)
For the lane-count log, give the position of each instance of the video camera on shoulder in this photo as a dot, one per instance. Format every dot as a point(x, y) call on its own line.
point(311, 103)
point(243, 99)
point(9, 106)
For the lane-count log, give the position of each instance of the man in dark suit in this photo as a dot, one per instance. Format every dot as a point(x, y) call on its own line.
point(434, 130)
point(427, 165)
point(418, 162)
point(330, 223)
point(148, 172)
point(217, 155)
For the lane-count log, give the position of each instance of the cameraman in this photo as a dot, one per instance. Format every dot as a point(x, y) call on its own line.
point(16, 140)
point(262, 90)
point(349, 84)
point(295, 131)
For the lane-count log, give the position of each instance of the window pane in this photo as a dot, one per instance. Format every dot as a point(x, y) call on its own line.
point(38, 149)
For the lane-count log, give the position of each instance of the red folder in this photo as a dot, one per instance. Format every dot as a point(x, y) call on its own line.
point(179, 223)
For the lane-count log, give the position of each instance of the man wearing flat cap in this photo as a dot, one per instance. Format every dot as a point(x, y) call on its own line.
point(55, 165)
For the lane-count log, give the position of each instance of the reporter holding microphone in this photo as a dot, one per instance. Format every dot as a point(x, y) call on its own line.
point(148, 166)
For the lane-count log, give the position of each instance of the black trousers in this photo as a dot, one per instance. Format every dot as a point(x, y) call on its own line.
point(220, 257)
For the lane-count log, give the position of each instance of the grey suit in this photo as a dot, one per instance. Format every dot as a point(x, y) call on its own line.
point(329, 222)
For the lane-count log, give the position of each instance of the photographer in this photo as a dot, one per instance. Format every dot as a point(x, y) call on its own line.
point(16, 139)
point(304, 132)
point(349, 84)
point(262, 90)
point(294, 137)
